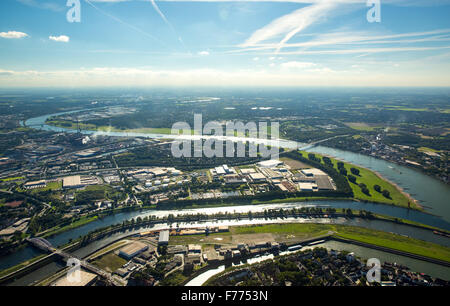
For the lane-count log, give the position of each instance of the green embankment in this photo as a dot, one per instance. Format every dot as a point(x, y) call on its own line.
point(21, 265)
point(370, 179)
point(78, 223)
point(394, 241)
point(375, 237)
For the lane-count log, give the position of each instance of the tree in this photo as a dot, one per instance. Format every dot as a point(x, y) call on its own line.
point(377, 188)
point(352, 179)
point(386, 194)
point(354, 171)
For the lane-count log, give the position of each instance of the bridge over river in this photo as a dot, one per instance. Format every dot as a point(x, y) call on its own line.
point(46, 246)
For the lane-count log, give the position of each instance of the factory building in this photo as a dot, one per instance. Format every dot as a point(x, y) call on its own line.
point(133, 249)
point(163, 238)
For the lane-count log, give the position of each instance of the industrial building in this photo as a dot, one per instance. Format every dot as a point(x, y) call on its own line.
point(35, 184)
point(72, 182)
point(163, 238)
point(133, 249)
point(272, 163)
point(313, 172)
point(257, 177)
point(194, 249)
point(308, 186)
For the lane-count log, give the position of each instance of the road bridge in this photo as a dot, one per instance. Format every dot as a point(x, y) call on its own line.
point(46, 246)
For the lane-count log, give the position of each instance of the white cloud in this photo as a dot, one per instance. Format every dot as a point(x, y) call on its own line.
point(315, 76)
point(13, 34)
point(61, 38)
point(203, 53)
point(290, 24)
point(256, 58)
point(297, 65)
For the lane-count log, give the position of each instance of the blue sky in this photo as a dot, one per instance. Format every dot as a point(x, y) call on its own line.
point(225, 43)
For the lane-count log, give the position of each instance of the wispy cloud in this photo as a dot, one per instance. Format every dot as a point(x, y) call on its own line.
point(297, 65)
point(43, 5)
point(348, 38)
point(13, 34)
point(290, 24)
point(61, 38)
point(120, 20)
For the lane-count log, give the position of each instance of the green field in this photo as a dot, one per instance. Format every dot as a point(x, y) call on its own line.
point(379, 238)
point(50, 186)
point(289, 228)
point(9, 179)
point(57, 230)
point(360, 126)
point(396, 242)
point(109, 262)
point(370, 179)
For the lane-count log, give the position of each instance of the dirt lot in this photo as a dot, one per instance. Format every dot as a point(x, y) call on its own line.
point(294, 164)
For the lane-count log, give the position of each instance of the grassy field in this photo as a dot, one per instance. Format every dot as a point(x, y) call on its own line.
point(361, 126)
point(109, 262)
point(58, 230)
point(425, 149)
point(9, 179)
point(50, 186)
point(292, 232)
point(375, 237)
point(288, 228)
point(394, 241)
point(370, 179)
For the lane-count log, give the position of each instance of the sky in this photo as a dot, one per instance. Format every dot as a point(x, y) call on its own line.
point(134, 43)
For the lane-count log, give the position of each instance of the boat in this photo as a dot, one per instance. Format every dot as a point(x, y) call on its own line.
point(295, 247)
point(441, 234)
point(316, 242)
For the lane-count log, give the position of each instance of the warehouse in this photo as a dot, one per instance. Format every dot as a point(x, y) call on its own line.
point(133, 249)
point(35, 184)
point(307, 186)
point(313, 172)
point(257, 177)
point(270, 163)
point(72, 182)
point(163, 238)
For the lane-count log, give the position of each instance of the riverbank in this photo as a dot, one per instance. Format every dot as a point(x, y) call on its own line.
point(307, 231)
point(370, 178)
